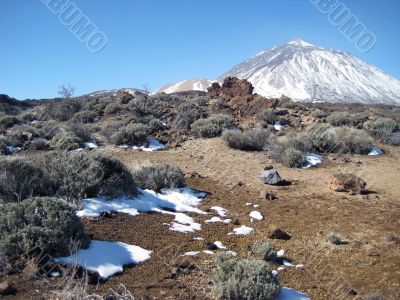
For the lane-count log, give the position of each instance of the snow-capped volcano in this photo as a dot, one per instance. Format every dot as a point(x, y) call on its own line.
point(306, 72)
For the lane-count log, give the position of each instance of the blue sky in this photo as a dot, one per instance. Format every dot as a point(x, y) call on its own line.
point(155, 42)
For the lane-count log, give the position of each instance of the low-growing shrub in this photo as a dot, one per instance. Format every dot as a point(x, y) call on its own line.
point(63, 110)
point(112, 108)
point(345, 119)
point(39, 144)
point(21, 179)
point(268, 117)
point(385, 130)
point(157, 177)
point(353, 140)
point(39, 226)
point(264, 249)
point(319, 113)
point(334, 238)
point(155, 125)
point(383, 124)
point(79, 175)
point(65, 141)
point(134, 134)
point(249, 140)
point(85, 116)
point(8, 121)
point(188, 113)
point(293, 158)
point(244, 279)
point(82, 131)
point(213, 126)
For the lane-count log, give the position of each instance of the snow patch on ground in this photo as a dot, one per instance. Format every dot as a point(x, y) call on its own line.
point(374, 151)
point(90, 145)
point(278, 126)
point(222, 212)
point(106, 258)
point(242, 230)
point(152, 145)
point(217, 220)
point(313, 159)
point(256, 215)
point(281, 253)
point(219, 245)
point(178, 200)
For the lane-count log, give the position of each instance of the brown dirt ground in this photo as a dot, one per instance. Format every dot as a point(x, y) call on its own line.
point(307, 210)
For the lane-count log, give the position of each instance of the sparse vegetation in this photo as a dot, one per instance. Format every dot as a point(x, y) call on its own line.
point(7, 122)
point(112, 108)
point(385, 130)
point(346, 119)
point(264, 249)
point(157, 177)
point(292, 158)
point(212, 126)
point(268, 117)
point(244, 279)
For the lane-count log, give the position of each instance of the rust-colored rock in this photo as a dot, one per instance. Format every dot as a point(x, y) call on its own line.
point(274, 232)
point(347, 183)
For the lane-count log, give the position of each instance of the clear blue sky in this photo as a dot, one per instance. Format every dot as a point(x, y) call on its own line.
point(155, 42)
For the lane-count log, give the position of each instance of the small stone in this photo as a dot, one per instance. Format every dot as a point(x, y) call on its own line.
point(373, 252)
point(268, 167)
point(6, 289)
point(271, 177)
point(274, 232)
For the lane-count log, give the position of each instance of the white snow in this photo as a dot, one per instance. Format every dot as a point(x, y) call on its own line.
point(278, 126)
point(219, 245)
point(208, 252)
point(287, 263)
point(222, 212)
point(290, 294)
point(313, 159)
point(198, 239)
point(281, 253)
point(106, 258)
point(249, 204)
point(233, 253)
point(256, 215)
point(217, 220)
point(191, 253)
point(256, 205)
point(90, 145)
point(152, 145)
point(242, 230)
point(178, 200)
point(375, 151)
point(300, 266)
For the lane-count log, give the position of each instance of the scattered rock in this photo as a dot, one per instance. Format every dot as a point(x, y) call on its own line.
point(271, 177)
point(269, 196)
point(212, 246)
point(6, 289)
point(352, 292)
point(194, 175)
point(393, 240)
point(372, 252)
point(347, 183)
point(268, 167)
point(274, 232)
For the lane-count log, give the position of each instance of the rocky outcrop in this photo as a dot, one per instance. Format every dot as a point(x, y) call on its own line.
point(274, 232)
point(347, 183)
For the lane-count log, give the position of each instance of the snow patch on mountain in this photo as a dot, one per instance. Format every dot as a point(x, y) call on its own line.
point(186, 85)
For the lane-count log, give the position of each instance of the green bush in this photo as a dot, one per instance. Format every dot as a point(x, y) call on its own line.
point(248, 140)
point(112, 108)
point(293, 158)
point(79, 175)
point(8, 121)
point(63, 110)
point(244, 279)
point(82, 131)
point(268, 117)
point(345, 119)
point(39, 226)
point(213, 126)
point(157, 177)
point(65, 141)
point(319, 113)
point(132, 134)
point(264, 250)
point(21, 179)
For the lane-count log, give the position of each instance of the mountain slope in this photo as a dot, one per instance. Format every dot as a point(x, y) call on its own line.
point(306, 72)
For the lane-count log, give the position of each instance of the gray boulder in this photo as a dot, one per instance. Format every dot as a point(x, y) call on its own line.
point(271, 177)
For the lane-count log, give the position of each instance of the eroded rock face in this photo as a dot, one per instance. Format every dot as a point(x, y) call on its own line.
point(347, 183)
